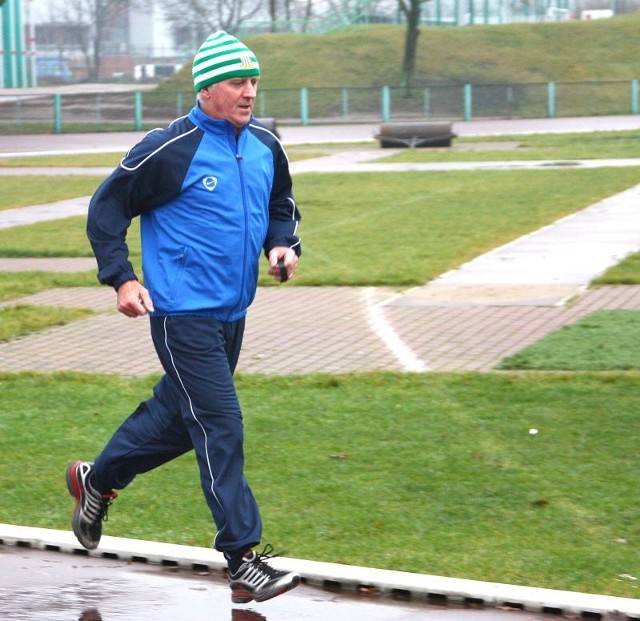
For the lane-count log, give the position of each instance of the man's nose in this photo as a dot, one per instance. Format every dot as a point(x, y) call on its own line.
point(250, 90)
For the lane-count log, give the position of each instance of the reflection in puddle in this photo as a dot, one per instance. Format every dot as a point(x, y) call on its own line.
point(38, 585)
point(238, 614)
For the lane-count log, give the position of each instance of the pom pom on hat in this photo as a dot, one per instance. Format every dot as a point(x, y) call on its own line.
point(222, 57)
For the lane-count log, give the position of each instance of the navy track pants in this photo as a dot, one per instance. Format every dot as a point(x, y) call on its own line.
point(194, 406)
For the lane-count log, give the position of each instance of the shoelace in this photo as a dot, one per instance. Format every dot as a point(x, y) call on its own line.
point(261, 558)
point(97, 506)
point(107, 499)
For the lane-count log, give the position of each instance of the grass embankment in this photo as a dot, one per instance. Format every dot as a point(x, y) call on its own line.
point(576, 55)
point(511, 53)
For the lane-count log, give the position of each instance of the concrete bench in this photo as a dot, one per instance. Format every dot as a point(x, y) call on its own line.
point(412, 135)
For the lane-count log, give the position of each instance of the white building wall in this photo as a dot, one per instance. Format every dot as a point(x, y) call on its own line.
point(149, 32)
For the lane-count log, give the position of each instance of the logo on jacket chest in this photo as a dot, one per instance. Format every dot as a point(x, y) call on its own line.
point(210, 183)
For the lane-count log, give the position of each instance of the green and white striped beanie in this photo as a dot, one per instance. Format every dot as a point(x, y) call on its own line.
point(222, 57)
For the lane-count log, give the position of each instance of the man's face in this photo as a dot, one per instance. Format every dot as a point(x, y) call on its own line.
point(231, 100)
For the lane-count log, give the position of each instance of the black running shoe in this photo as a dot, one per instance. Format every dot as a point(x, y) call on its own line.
point(91, 506)
point(255, 580)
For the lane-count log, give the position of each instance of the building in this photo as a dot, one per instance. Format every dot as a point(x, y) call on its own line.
point(45, 42)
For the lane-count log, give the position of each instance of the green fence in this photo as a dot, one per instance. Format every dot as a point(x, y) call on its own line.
point(136, 110)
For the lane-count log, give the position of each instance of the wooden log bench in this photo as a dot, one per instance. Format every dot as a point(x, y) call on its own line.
point(413, 135)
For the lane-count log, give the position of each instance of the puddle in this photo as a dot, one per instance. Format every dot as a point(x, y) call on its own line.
point(39, 585)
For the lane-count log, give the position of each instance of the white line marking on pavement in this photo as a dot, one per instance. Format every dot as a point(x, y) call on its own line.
point(377, 322)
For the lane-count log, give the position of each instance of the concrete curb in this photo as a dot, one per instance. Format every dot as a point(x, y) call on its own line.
point(394, 584)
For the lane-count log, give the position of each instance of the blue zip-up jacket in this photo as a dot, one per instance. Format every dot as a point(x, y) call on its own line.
point(209, 202)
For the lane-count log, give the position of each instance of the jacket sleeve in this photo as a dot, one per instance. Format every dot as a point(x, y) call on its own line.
point(148, 176)
point(110, 214)
point(283, 211)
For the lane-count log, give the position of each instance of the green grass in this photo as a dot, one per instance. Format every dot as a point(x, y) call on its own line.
point(591, 62)
point(23, 191)
point(512, 53)
point(571, 146)
point(65, 237)
point(430, 473)
point(576, 55)
point(427, 473)
point(601, 341)
point(21, 320)
point(82, 160)
point(403, 229)
point(396, 229)
point(15, 285)
point(110, 160)
point(627, 272)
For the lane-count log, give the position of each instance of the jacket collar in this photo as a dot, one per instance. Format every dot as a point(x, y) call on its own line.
point(220, 126)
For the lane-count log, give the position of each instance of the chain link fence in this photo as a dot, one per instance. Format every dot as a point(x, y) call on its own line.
point(139, 110)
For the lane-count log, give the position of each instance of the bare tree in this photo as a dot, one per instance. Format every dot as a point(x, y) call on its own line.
point(299, 13)
point(273, 14)
point(308, 12)
point(197, 19)
point(281, 11)
point(94, 19)
point(287, 9)
point(411, 9)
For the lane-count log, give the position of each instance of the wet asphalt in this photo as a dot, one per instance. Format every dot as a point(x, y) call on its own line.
point(56, 586)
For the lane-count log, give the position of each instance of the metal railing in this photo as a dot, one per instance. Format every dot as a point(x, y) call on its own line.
point(139, 110)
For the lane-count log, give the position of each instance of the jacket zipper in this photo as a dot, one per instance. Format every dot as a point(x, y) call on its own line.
point(245, 211)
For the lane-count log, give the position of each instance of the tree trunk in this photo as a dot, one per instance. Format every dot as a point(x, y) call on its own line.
point(99, 24)
point(307, 15)
point(409, 62)
point(412, 12)
point(273, 14)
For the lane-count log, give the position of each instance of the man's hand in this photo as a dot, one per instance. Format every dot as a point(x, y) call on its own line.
point(288, 257)
point(133, 299)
